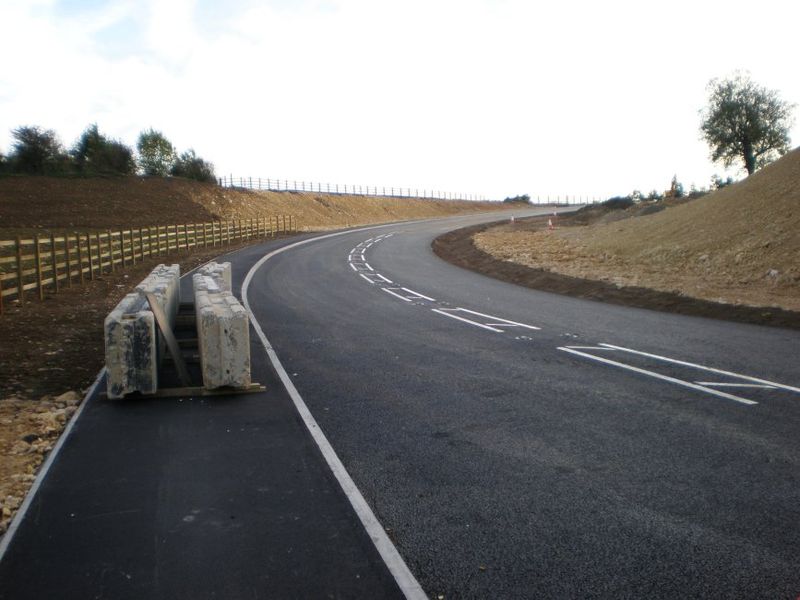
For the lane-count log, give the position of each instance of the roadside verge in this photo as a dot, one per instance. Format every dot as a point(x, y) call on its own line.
point(457, 247)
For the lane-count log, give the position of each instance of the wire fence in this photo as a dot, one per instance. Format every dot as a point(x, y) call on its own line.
point(293, 185)
point(46, 263)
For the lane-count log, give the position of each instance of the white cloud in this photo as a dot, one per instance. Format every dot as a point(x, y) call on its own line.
point(500, 97)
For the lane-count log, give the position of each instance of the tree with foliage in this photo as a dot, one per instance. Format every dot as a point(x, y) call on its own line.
point(191, 166)
point(717, 182)
point(745, 121)
point(95, 154)
point(675, 188)
point(36, 151)
point(156, 153)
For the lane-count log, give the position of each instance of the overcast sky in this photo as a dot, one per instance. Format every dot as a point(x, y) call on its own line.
point(495, 97)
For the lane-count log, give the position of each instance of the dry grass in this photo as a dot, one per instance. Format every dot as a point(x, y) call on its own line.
point(739, 245)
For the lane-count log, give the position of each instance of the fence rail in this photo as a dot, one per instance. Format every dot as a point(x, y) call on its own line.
point(293, 185)
point(50, 262)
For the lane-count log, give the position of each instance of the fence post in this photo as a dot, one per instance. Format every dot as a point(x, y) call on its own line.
point(89, 256)
point(80, 256)
point(54, 262)
point(39, 267)
point(68, 259)
point(122, 247)
point(20, 274)
point(110, 251)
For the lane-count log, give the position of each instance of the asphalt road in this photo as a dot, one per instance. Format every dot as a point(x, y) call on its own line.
point(506, 451)
point(511, 455)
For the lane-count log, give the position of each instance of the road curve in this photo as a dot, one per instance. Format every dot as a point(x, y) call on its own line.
point(520, 444)
point(511, 443)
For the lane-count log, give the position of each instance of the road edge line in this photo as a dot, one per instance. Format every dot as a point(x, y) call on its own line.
point(398, 568)
point(8, 537)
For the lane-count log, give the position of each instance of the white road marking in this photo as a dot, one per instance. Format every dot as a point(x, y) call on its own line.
point(704, 368)
point(45, 469)
point(384, 278)
point(736, 385)
point(403, 298)
point(452, 316)
point(417, 294)
point(366, 264)
point(505, 322)
point(674, 380)
point(405, 579)
point(367, 278)
point(352, 266)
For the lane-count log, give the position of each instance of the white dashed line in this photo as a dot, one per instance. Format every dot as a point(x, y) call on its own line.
point(452, 316)
point(403, 298)
point(417, 294)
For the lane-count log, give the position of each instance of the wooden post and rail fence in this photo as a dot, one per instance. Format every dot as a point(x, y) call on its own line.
point(47, 263)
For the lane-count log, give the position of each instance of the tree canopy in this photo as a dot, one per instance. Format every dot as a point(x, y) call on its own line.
point(156, 153)
point(191, 166)
point(95, 154)
point(745, 121)
point(36, 151)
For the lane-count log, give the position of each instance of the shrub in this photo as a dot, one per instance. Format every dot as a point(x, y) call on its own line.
point(95, 154)
point(191, 166)
point(38, 152)
point(523, 198)
point(618, 202)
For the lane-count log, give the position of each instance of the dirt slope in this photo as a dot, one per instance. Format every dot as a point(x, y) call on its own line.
point(738, 245)
point(61, 203)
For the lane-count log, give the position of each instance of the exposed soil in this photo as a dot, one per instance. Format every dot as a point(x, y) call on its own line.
point(738, 246)
point(459, 248)
point(55, 204)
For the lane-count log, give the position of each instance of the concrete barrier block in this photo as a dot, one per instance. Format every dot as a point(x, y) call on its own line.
point(131, 348)
point(132, 343)
point(220, 272)
point(223, 332)
point(164, 282)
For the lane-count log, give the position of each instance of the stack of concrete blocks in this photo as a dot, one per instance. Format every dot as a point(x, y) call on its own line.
point(131, 339)
point(223, 329)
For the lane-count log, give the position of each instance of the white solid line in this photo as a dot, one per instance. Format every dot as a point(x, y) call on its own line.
point(45, 469)
point(591, 348)
point(366, 264)
point(388, 291)
point(384, 278)
point(701, 367)
point(417, 294)
point(367, 278)
point(505, 321)
point(397, 567)
point(447, 314)
point(737, 385)
point(352, 266)
point(659, 376)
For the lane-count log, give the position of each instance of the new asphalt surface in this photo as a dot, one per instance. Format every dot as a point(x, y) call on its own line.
point(506, 450)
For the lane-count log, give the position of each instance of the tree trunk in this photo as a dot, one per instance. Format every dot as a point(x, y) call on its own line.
point(749, 157)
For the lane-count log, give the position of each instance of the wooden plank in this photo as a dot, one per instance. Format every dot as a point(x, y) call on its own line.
point(39, 268)
point(54, 261)
point(169, 338)
point(69, 260)
point(110, 251)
